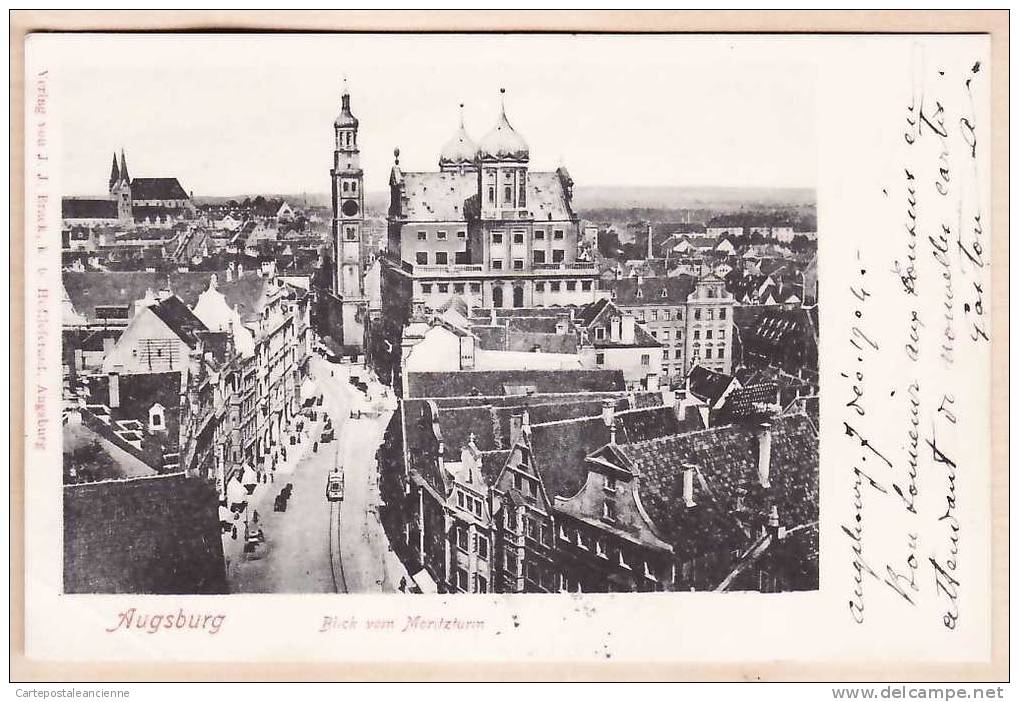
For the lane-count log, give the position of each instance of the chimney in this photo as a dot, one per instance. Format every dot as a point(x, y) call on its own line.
point(608, 417)
point(561, 325)
point(229, 272)
point(108, 343)
point(614, 330)
point(516, 428)
point(628, 333)
point(689, 472)
point(764, 454)
point(114, 390)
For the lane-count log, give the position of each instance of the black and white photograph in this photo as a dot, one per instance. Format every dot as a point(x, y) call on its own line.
point(395, 348)
point(448, 328)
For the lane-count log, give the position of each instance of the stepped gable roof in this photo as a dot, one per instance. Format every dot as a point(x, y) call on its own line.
point(88, 208)
point(175, 314)
point(153, 535)
point(512, 382)
point(727, 465)
point(157, 189)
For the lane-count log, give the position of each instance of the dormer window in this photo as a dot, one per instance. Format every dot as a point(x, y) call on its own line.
point(610, 483)
point(640, 293)
point(608, 511)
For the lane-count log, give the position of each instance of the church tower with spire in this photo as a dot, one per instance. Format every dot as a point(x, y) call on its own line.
point(120, 188)
point(348, 227)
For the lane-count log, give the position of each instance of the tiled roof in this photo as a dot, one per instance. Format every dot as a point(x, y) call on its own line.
point(599, 313)
point(675, 289)
point(157, 189)
point(88, 208)
point(708, 385)
point(497, 383)
point(559, 448)
point(182, 321)
point(441, 197)
point(91, 288)
point(727, 462)
point(144, 536)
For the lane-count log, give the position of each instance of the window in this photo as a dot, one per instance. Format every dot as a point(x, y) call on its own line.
point(622, 560)
point(721, 353)
point(563, 533)
point(665, 335)
point(426, 288)
point(571, 285)
point(443, 287)
point(585, 285)
point(696, 334)
point(461, 234)
point(518, 237)
point(679, 315)
point(609, 482)
point(346, 186)
point(461, 538)
point(645, 359)
point(496, 237)
point(677, 354)
point(458, 287)
point(697, 313)
point(654, 315)
point(459, 499)
point(558, 255)
point(461, 579)
point(599, 358)
point(518, 265)
point(555, 286)
point(539, 256)
point(707, 334)
point(508, 193)
point(482, 584)
point(721, 333)
point(421, 257)
point(721, 313)
point(599, 547)
point(422, 236)
point(599, 333)
point(441, 257)
point(353, 187)
point(539, 234)
point(482, 547)
point(496, 264)
point(475, 287)
point(582, 541)
point(440, 235)
point(558, 234)
point(654, 333)
point(711, 314)
point(667, 314)
point(539, 286)
point(707, 353)
point(608, 510)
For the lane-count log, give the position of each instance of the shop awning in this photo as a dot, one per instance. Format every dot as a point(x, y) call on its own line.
point(424, 582)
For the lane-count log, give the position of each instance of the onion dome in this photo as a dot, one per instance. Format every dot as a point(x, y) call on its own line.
point(345, 118)
point(503, 142)
point(460, 150)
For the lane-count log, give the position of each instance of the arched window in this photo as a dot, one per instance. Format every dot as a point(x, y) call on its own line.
point(509, 194)
point(496, 297)
point(518, 297)
point(491, 194)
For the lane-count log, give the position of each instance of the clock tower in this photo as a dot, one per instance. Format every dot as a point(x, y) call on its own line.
point(348, 224)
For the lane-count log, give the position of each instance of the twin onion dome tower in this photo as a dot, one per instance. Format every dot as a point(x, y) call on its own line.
point(502, 143)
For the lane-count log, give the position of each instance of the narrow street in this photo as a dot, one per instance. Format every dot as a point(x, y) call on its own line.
point(317, 545)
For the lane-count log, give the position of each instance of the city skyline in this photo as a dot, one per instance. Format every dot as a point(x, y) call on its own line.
point(755, 131)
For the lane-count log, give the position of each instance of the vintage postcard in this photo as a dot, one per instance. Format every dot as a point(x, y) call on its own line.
point(474, 348)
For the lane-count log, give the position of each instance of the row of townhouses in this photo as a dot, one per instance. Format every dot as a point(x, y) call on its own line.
point(188, 372)
point(566, 480)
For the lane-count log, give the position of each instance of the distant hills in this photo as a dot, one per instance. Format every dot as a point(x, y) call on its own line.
point(607, 197)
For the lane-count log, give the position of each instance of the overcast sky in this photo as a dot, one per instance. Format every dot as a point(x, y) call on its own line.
point(248, 114)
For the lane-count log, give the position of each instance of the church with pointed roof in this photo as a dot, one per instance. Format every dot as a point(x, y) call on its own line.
point(131, 201)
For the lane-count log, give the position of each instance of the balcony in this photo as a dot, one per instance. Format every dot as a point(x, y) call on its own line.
point(575, 266)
